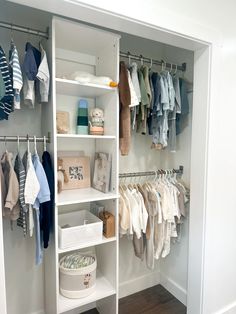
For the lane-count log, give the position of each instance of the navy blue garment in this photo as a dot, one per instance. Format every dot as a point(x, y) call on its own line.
point(31, 62)
point(47, 208)
point(182, 118)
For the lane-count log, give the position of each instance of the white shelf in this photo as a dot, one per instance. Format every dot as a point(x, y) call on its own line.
point(74, 88)
point(76, 196)
point(88, 244)
point(103, 290)
point(82, 136)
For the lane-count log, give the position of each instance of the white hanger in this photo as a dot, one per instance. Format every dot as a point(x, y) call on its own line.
point(163, 65)
point(141, 59)
point(5, 140)
point(174, 180)
point(35, 145)
point(166, 176)
point(44, 144)
point(12, 34)
point(129, 58)
point(18, 144)
point(150, 63)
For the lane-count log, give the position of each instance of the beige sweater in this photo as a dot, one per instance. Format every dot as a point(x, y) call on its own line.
point(9, 188)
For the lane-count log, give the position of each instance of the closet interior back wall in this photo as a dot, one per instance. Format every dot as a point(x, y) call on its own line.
point(171, 271)
point(24, 280)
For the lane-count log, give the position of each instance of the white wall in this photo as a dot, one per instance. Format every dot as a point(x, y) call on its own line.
point(24, 280)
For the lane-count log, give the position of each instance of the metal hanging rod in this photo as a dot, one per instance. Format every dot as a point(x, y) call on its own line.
point(26, 30)
point(153, 61)
point(150, 173)
point(26, 138)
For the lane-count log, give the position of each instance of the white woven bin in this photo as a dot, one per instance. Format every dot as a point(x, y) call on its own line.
point(78, 283)
point(84, 227)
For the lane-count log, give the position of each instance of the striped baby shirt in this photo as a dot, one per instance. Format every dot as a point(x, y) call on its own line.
point(21, 176)
point(17, 80)
point(6, 103)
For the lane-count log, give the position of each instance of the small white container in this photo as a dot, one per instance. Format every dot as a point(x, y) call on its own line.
point(78, 283)
point(78, 228)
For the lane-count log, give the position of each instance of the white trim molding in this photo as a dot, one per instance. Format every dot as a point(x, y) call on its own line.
point(174, 288)
point(138, 284)
point(229, 309)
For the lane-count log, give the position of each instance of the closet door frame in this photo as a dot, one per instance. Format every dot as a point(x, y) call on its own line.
point(205, 43)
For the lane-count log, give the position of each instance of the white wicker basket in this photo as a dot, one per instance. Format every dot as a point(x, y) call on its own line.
point(84, 227)
point(78, 283)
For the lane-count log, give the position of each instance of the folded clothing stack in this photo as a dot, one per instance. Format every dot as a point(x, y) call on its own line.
point(77, 260)
point(82, 119)
point(85, 78)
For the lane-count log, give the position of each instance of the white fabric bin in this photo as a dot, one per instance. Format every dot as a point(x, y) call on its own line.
point(77, 228)
point(78, 283)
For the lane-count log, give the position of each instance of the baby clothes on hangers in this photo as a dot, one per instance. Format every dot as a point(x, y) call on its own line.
point(2, 86)
point(181, 119)
point(32, 188)
point(43, 76)
point(30, 67)
point(25, 185)
point(133, 97)
point(21, 176)
point(125, 98)
point(142, 116)
point(129, 212)
point(42, 196)
point(47, 208)
point(134, 76)
point(134, 102)
point(6, 102)
point(10, 188)
point(164, 202)
point(124, 215)
point(17, 80)
point(145, 71)
point(149, 117)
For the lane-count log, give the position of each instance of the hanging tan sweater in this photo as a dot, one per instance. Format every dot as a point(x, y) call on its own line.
point(9, 188)
point(125, 99)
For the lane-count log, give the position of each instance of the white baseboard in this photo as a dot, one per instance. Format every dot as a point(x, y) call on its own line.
point(229, 309)
point(179, 292)
point(138, 284)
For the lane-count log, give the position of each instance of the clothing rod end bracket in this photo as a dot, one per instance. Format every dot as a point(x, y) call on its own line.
point(184, 67)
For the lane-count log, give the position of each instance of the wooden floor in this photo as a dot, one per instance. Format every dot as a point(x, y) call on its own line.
point(155, 300)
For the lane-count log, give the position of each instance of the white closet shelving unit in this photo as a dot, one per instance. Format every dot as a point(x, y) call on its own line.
point(80, 47)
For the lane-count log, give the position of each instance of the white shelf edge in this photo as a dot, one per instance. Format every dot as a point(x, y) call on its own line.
point(97, 196)
point(103, 290)
point(89, 244)
point(72, 136)
point(73, 82)
point(88, 200)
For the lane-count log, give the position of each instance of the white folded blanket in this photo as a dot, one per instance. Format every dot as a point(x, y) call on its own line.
point(84, 78)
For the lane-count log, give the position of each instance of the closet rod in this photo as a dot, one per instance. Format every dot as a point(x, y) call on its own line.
point(150, 173)
point(153, 61)
point(23, 29)
point(24, 138)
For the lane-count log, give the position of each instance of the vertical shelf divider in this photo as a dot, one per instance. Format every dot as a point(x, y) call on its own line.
point(102, 49)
